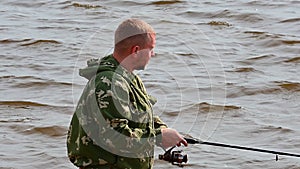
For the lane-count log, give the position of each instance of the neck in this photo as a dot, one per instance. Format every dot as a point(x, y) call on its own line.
point(124, 61)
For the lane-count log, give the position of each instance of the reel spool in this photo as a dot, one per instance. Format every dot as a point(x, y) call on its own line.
point(174, 157)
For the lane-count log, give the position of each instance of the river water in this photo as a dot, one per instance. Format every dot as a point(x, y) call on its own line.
point(224, 71)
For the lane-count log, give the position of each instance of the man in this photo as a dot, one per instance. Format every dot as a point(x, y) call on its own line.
point(113, 126)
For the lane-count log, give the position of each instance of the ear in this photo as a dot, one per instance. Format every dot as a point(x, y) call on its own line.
point(135, 49)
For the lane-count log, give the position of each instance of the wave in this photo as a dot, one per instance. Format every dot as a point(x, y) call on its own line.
point(52, 131)
point(270, 128)
point(262, 57)
point(203, 107)
point(255, 32)
point(37, 42)
point(279, 87)
point(185, 54)
point(263, 35)
point(290, 86)
point(24, 119)
point(128, 3)
point(271, 40)
point(22, 103)
point(207, 107)
point(165, 2)
point(244, 69)
point(293, 60)
point(248, 17)
point(290, 20)
point(8, 41)
point(218, 23)
point(27, 4)
point(290, 42)
point(41, 84)
point(27, 104)
point(195, 14)
point(21, 77)
point(243, 91)
point(86, 6)
point(227, 14)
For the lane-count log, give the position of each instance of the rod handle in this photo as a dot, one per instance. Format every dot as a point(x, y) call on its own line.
point(192, 141)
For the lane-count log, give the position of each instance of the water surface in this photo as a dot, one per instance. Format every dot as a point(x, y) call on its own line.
point(224, 71)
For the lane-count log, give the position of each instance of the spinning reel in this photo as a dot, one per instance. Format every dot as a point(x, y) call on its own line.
point(174, 157)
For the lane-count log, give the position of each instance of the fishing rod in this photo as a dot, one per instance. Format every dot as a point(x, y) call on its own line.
point(177, 158)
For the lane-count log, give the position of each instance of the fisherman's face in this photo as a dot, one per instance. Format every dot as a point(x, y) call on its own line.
point(145, 54)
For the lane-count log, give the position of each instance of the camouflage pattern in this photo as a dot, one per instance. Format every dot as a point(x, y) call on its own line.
point(113, 124)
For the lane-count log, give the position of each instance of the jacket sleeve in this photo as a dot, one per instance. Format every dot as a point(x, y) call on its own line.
point(122, 131)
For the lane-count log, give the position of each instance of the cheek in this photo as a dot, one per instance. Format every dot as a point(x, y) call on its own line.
point(145, 54)
point(149, 54)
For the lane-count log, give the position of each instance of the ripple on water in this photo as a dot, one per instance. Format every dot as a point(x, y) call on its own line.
point(293, 60)
point(41, 41)
point(290, 86)
point(51, 131)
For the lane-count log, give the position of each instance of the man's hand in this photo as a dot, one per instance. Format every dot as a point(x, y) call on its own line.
point(171, 137)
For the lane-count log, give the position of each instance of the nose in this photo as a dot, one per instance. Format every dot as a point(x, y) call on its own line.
point(152, 53)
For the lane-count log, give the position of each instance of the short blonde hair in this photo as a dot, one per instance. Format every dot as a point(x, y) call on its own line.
point(132, 29)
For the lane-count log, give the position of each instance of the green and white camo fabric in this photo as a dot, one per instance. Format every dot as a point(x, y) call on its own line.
point(113, 123)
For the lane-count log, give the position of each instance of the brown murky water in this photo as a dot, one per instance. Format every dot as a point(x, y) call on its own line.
point(224, 71)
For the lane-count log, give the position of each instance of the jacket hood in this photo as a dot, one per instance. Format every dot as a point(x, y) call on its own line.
point(108, 63)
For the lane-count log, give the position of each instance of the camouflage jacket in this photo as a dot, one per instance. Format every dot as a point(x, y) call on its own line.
point(113, 123)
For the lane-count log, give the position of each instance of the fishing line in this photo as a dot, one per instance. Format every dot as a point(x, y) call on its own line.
point(177, 158)
point(197, 141)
